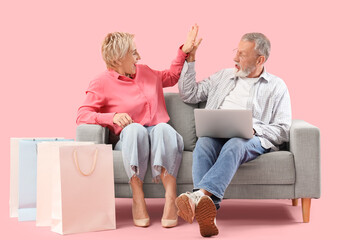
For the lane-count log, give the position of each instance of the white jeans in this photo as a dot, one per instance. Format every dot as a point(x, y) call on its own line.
point(160, 143)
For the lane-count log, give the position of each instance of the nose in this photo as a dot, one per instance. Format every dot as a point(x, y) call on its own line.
point(138, 57)
point(236, 58)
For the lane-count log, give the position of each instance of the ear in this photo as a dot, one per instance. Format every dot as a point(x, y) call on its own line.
point(260, 60)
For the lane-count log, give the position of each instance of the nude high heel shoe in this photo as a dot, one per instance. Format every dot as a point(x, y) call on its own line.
point(145, 222)
point(142, 222)
point(169, 223)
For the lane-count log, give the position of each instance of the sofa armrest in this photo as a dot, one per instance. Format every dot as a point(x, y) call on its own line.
point(305, 146)
point(92, 133)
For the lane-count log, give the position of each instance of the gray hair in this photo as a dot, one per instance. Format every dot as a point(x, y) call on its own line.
point(262, 43)
point(115, 46)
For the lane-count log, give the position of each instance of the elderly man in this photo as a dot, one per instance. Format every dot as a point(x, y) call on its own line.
point(216, 160)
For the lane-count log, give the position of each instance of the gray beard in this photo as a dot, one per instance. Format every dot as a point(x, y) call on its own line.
point(241, 73)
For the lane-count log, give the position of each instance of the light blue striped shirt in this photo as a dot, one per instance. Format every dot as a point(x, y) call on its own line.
point(269, 100)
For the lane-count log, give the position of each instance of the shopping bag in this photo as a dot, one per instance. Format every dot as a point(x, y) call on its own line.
point(14, 174)
point(47, 156)
point(83, 197)
point(27, 177)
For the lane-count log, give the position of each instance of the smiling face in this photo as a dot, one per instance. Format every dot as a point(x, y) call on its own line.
point(245, 59)
point(127, 65)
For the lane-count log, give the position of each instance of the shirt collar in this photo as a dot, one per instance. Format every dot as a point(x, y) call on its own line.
point(116, 75)
point(265, 75)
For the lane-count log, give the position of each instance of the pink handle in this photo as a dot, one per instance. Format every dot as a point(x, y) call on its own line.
point(93, 166)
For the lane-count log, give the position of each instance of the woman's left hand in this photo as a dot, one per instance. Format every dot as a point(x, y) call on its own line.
point(191, 38)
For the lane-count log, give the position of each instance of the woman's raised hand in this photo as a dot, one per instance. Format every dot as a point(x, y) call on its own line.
point(191, 42)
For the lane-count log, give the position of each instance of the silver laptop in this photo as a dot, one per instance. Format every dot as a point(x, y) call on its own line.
point(223, 123)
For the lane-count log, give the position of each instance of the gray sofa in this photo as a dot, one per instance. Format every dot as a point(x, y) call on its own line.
point(291, 173)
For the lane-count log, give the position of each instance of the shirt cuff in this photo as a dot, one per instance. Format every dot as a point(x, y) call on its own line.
point(106, 118)
point(258, 130)
point(181, 52)
point(191, 66)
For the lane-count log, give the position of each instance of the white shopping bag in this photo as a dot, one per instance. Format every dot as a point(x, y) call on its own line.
point(27, 177)
point(14, 174)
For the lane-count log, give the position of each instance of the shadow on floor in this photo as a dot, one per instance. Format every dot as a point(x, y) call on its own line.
point(233, 212)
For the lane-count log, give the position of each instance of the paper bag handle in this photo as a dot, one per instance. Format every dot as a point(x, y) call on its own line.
point(93, 166)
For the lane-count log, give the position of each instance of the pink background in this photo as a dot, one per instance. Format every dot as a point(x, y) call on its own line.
point(50, 51)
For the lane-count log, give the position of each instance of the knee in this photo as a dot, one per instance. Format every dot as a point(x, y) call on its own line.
point(235, 146)
point(203, 143)
point(164, 129)
point(135, 129)
point(236, 142)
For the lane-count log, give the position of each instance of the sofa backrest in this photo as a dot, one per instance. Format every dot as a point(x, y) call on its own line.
point(182, 119)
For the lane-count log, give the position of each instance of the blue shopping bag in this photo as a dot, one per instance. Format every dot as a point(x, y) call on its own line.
point(27, 177)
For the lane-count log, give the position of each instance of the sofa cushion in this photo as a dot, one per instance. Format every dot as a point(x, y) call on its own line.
point(185, 171)
point(270, 168)
point(182, 119)
point(119, 169)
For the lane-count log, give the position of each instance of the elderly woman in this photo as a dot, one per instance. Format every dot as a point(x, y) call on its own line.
point(128, 99)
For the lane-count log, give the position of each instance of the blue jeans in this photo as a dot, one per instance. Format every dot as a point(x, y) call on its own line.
point(216, 160)
point(160, 143)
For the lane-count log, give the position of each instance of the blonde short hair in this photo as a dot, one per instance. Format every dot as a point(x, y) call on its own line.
point(115, 46)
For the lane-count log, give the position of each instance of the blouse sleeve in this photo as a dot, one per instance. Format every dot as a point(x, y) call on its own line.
point(90, 111)
point(171, 76)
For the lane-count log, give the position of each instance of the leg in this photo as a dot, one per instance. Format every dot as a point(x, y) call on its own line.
point(166, 155)
point(134, 144)
point(305, 203)
point(166, 150)
point(205, 154)
point(295, 202)
point(235, 152)
point(169, 218)
point(139, 211)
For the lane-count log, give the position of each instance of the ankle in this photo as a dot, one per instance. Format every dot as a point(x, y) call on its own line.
point(138, 200)
point(200, 192)
point(170, 195)
point(204, 192)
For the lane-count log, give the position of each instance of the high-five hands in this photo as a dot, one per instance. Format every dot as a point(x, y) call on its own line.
point(122, 119)
point(191, 44)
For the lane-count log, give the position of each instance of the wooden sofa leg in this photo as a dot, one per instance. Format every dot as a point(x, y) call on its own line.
point(305, 203)
point(295, 202)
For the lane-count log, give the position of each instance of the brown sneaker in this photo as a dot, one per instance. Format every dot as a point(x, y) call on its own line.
point(205, 213)
point(186, 204)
